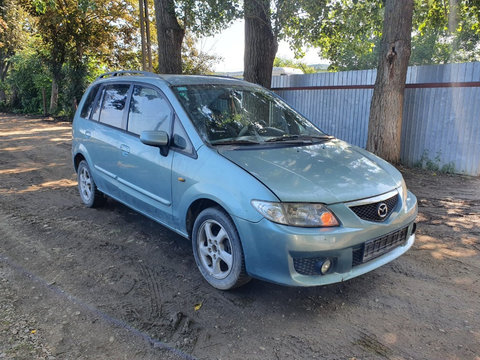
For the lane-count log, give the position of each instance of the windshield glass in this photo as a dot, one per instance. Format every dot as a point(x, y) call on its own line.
point(243, 115)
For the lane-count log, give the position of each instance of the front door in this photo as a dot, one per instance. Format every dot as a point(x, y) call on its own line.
point(145, 174)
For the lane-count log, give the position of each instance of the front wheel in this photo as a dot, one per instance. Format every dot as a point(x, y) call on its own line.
point(89, 193)
point(217, 250)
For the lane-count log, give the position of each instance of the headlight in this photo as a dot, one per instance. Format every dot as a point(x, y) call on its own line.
point(296, 214)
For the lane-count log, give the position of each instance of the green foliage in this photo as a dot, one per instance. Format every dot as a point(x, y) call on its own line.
point(72, 29)
point(445, 32)
point(26, 80)
point(78, 40)
point(434, 164)
point(195, 61)
point(206, 17)
point(348, 32)
point(448, 168)
point(281, 62)
point(13, 36)
point(73, 32)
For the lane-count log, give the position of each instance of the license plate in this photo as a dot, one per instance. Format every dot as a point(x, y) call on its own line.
point(379, 246)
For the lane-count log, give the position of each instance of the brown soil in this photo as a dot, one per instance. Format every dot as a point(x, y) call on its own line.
point(79, 283)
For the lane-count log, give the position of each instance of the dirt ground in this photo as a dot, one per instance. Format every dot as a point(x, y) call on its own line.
point(78, 283)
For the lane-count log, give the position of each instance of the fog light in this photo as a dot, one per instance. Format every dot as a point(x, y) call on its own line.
point(324, 266)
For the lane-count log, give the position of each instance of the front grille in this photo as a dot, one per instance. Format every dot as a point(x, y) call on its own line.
point(307, 266)
point(372, 249)
point(369, 212)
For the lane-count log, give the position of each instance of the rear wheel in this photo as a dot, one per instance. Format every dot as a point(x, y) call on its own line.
point(217, 250)
point(90, 195)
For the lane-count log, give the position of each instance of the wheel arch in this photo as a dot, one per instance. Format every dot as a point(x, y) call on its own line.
point(79, 153)
point(77, 159)
point(196, 208)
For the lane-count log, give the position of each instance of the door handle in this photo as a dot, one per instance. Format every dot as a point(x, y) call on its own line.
point(125, 149)
point(88, 134)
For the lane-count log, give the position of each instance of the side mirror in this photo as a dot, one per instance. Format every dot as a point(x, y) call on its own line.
point(154, 138)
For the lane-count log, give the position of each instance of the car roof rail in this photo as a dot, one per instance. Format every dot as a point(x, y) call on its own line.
point(126, 73)
point(224, 76)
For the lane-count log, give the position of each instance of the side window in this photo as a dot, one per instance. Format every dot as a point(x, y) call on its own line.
point(96, 110)
point(180, 138)
point(114, 100)
point(88, 105)
point(149, 110)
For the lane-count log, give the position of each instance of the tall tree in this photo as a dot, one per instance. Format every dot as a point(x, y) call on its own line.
point(176, 17)
point(266, 23)
point(170, 37)
point(142, 33)
point(12, 36)
point(349, 37)
point(148, 36)
point(385, 122)
point(144, 18)
point(261, 44)
point(72, 30)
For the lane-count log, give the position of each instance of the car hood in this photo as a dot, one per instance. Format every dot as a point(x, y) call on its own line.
point(328, 172)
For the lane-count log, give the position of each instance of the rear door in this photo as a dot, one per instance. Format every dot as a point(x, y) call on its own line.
point(142, 170)
point(110, 112)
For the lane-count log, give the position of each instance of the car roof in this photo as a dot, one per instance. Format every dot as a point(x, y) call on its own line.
point(174, 80)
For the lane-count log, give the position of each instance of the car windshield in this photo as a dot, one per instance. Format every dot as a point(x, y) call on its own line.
point(243, 115)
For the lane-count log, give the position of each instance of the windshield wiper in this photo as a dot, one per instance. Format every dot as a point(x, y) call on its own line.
point(300, 138)
point(235, 142)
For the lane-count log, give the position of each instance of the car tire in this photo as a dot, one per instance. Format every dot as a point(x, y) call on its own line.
point(217, 250)
point(90, 195)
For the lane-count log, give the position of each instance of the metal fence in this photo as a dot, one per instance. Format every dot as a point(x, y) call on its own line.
point(441, 116)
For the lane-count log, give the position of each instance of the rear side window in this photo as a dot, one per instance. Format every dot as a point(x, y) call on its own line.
point(88, 105)
point(96, 110)
point(149, 110)
point(114, 101)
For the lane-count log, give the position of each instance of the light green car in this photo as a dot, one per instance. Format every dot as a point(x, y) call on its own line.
point(258, 189)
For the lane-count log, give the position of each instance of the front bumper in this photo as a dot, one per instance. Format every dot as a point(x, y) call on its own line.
point(270, 249)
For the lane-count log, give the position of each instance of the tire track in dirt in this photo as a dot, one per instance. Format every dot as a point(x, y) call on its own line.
point(137, 271)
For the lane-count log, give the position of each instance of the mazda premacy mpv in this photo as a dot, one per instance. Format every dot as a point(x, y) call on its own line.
point(260, 191)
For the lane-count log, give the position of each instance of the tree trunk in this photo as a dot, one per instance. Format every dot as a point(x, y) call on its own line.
point(147, 34)
point(385, 123)
point(170, 37)
point(44, 102)
point(4, 65)
point(142, 33)
point(54, 96)
point(260, 43)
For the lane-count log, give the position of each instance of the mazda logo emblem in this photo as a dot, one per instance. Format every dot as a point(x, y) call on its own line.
point(382, 210)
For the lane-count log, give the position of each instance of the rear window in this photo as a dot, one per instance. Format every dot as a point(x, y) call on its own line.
point(88, 105)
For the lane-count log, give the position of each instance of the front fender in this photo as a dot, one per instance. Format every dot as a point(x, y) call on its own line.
point(213, 177)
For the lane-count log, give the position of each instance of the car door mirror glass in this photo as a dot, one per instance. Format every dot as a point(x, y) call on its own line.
point(154, 138)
